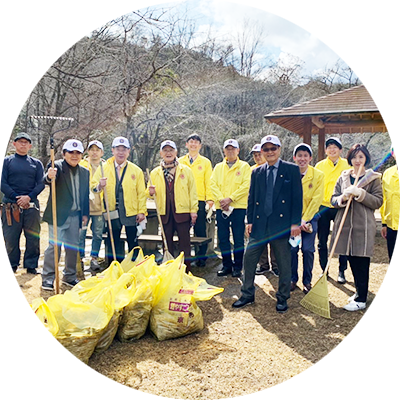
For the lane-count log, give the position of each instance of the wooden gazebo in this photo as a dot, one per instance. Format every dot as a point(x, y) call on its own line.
point(349, 111)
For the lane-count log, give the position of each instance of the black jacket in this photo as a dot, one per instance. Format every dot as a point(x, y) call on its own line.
point(287, 202)
point(64, 199)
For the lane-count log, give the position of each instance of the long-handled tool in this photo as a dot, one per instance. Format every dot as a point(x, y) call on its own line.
point(35, 122)
point(166, 254)
point(317, 299)
point(110, 232)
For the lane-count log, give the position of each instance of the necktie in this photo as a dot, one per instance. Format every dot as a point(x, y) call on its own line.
point(119, 172)
point(270, 191)
point(191, 160)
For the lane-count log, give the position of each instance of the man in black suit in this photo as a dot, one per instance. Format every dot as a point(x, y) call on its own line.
point(72, 200)
point(273, 215)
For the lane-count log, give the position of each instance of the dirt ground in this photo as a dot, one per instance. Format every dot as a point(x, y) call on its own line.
point(239, 351)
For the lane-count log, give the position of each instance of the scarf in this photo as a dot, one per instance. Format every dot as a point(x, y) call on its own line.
point(169, 170)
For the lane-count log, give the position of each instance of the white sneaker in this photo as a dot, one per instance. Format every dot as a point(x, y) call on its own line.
point(355, 306)
point(352, 298)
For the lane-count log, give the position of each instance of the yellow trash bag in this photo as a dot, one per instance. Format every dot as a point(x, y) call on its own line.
point(175, 312)
point(80, 324)
point(127, 263)
point(204, 291)
point(40, 327)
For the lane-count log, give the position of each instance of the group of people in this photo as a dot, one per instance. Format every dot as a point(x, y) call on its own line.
point(286, 204)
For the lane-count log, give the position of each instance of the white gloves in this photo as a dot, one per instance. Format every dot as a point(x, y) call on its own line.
point(352, 190)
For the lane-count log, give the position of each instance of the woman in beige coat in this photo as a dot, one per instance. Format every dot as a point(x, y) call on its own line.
point(358, 234)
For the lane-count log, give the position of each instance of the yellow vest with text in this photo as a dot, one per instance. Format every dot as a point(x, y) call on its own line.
point(231, 182)
point(133, 186)
point(391, 198)
point(313, 192)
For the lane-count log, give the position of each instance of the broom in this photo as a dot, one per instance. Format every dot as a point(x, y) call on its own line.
point(317, 299)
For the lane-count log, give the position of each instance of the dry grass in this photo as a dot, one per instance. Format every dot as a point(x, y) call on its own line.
point(239, 351)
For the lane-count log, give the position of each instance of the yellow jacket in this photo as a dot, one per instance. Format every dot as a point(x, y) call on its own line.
point(202, 171)
point(94, 198)
point(231, 182)
point(133, 187)
point(331, 175)
point(184, 189)
point(313, 192)
point(255, 166)
point(391, 198)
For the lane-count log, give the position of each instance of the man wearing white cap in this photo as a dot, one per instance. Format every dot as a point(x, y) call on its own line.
point(230, 182)
point(91, 162)
point(313, 192)
point(72, 200)
point(273, 215)
point(124, 183)
point(332, 166)
point(390, 212)
point(176, 194)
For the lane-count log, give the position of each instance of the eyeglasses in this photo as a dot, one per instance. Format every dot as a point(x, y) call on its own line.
point(268, 149)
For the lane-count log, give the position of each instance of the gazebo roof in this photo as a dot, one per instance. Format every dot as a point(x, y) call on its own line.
point(349, 111)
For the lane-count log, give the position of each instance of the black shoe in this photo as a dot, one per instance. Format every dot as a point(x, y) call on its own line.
point(14, 269)
point(243, 302)
point(32, 271)
point(293, 286)
point(275, 271)
point(11, 270)
point(72, 283)
point(47, 286)
point(281, 307)
point(341, 278)
point(224, 272)
point(261, 270)
point(236, 273)
point(306, 288)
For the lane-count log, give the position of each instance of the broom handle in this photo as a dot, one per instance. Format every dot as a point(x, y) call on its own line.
point(158, 215)
point(108, 215)
point(339, 231)
point(55, 238)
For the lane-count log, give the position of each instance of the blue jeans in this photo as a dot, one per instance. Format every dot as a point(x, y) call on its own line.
point(234, 222)
point(308, 249)
point(97, 228)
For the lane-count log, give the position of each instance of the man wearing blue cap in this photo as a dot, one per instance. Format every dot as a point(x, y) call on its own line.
point(21, 183)
point(72, 201)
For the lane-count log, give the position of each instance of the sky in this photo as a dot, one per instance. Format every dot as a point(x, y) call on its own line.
point(317, 33)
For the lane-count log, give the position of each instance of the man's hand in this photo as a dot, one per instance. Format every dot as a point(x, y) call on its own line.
point(295, 230)
point(23, 201)
point(210, 203)
point(85, 220)
point(193, 218)
point(102, 183)
point(384, 232)
point(248, 229)
point(140, 217)
point(152, 190)
point(224, 203)
point(51, 173)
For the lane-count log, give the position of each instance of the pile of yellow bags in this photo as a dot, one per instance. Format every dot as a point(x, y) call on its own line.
point(123, 301)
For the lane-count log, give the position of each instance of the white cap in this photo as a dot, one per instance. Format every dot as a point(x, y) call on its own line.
point(395, 142)
point(231, 142)
point(96, 143)
point(168, 143)
point(121, 141)
point(302, 145)
point(336, 141)
point(72, 145)
point(271, 139)
point(256, 147)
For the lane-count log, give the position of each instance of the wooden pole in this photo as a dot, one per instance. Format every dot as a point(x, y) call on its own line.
point(54, 209)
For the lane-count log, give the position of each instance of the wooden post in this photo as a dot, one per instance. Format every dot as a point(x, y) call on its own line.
point(307, 131)
point(321, 144)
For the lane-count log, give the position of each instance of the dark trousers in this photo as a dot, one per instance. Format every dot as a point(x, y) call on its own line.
point(234, 222)
point(393, 243)
point(29, 223)
point(281, 248)
point(119, 244)
point(200, 230)
point(324, 223)
point(182, 229)
point(308, 249)
point(360, 268)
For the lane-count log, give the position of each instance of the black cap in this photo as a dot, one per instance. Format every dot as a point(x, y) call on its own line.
point(23, 135)
point(333, 140)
